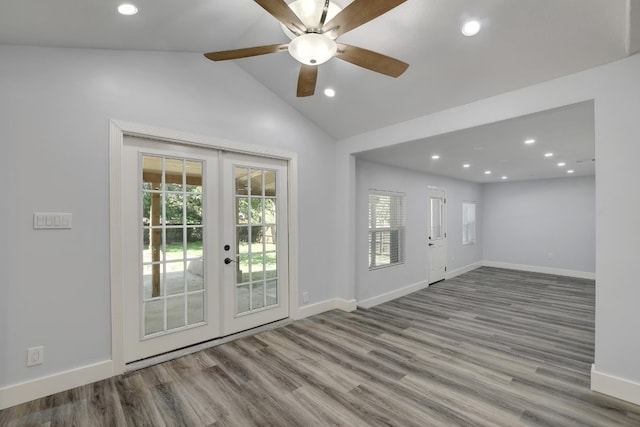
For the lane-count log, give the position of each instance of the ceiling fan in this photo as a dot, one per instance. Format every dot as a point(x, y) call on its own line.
point(313, 26)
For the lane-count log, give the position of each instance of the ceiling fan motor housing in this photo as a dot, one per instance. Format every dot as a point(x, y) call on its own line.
point(310, 14)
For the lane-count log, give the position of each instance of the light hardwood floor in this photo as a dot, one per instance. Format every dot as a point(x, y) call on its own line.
point(489, 348)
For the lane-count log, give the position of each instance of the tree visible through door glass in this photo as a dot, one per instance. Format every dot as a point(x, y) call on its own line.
point(172, 235)
point(256, 228)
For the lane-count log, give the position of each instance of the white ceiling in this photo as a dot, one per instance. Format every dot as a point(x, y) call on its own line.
point(567, 132)
point(522, 42)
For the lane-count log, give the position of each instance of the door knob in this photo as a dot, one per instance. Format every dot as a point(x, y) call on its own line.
point(228, 260)
point(430, 244)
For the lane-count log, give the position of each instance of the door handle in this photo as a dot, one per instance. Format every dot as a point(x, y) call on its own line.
point(228, 260)
point(430, 244)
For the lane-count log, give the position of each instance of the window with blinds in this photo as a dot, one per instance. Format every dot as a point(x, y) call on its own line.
point(386, 228)
point(468, 223)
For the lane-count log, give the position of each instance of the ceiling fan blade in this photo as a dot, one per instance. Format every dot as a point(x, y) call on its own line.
point(246, 52)
point(358, 12)
point(281, 11)
point(307, 80)
point(371, 60)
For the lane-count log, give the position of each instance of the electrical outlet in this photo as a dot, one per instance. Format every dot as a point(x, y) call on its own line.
point(35, 356)
point(305, 297)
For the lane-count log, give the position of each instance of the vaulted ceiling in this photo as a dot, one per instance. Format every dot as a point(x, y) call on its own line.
point(522, 42)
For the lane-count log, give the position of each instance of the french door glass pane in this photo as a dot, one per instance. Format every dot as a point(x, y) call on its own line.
point(257, 295)
point(153, 280)
point(194, 176)
point(194, 209)
point(175, 312)
point(255, 205)
point(242, 299)
point(256, 182)
point(436, 225)
point(154, 316)
point(172, 234)
point(174, 277)
point(194, 242)
point(270, 183)
point(195, 308)
point(272, 292)
point(242, 210)
point(242, 181)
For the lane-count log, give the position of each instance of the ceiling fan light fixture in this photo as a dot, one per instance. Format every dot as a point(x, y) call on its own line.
point(312, 48)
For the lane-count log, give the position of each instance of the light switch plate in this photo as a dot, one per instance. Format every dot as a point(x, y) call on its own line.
point(51, 220)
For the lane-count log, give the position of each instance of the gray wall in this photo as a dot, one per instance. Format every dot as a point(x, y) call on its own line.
point(55, 109)
point(544, 223)
point(374, 176)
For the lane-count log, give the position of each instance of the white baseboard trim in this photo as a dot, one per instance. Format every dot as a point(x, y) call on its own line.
point(458, 271)
point(397, 293)
point(321, 307)
point(617, 387)
point(388, 296)
point(34, 389)
point(545, 270)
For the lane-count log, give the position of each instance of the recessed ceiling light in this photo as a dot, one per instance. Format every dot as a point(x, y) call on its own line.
point(504, 177)
point(487, 172)
point(530, 141)
point(471, 28)
point(562, 164)
point(466, 165)
point(548, 154)
point(329, 92)
point(127, 9)
point(570, 171)
point(435, 157)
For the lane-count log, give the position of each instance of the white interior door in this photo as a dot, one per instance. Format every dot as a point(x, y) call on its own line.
point(255, 234)
point(437, 235)
point(171, 255)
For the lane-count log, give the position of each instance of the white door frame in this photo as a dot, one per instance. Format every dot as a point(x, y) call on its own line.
point(117, 131)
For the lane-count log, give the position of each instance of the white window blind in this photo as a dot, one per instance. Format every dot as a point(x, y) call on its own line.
point(468, 223)
point(386, 228)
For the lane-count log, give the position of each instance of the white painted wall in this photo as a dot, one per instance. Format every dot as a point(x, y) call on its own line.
point(615, 88)
point(414, 184)
point(5, 219)
point(617, 232)
point(54, 126)
point(54, 115)
point(544, 223)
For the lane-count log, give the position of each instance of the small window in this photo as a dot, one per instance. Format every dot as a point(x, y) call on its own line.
point(468, 223)
point(386, 228)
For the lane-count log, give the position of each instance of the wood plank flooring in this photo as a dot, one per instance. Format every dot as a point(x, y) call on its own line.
point(489, 348)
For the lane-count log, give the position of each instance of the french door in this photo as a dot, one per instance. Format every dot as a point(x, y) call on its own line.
point(436, 235)
point(203, 256)
point(255, 242)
